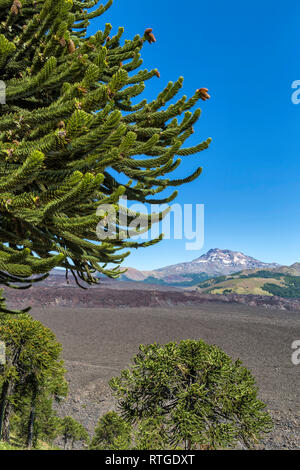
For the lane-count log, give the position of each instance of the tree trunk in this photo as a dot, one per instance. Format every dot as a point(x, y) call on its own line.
point(5, 407)
point(6, 420)
point(3, 402)
point(31, 419)
point(66, 443)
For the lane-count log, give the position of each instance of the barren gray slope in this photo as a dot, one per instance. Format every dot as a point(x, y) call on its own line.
point(99, 343)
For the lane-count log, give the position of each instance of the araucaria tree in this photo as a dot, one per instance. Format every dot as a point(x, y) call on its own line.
point(72, 431)
point(112, 433)
point(199, 397)
point(33, 373)
point(74, 136)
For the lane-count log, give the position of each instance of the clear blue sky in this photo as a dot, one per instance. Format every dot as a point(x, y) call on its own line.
point(248, 55)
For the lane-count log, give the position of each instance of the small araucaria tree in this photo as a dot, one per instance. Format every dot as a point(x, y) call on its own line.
point(199, 397)
point(34, 371)
point(72, 431)
point(112, 433)
point(71, 124)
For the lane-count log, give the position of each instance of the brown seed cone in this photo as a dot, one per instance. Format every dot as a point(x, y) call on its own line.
point(203, 94)
point(71, 46)
point(149, 36)
point(14, 9)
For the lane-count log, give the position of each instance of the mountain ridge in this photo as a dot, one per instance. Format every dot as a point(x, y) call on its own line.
point(215, 262)
point(212, 264)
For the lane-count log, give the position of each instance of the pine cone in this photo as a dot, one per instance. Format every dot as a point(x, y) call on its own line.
point(149, 36)
point(14, 10)
point(71, 46)
point(16, 6)
point(203, 94)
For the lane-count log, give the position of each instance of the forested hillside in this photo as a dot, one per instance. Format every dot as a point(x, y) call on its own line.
point(264, 282)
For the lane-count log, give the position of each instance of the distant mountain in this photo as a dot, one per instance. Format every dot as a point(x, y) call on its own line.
point(224, 272)
point(293, 270)
point(136, 275)
point(214, 263)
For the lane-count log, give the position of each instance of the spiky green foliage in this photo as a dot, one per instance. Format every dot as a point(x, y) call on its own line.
point(72, 431)
point(111, 433)
point(71, 123)
point(34, 372)
point(196, 395)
